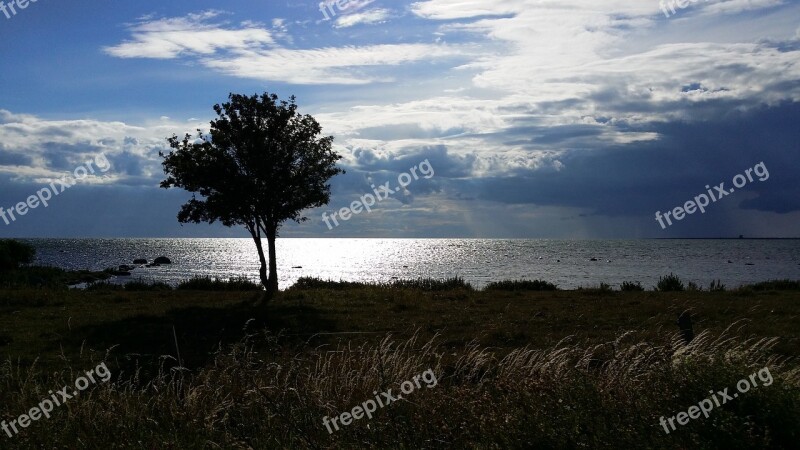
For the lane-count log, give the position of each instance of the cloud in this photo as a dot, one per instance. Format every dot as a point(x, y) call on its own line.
point(329, 65)
point(250, 52)
point(33, 149)
point(460, 9)
point(367, 17)
point(190, 35)
point(569, 114)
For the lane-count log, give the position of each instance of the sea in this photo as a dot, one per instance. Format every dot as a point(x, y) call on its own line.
point(570, 264)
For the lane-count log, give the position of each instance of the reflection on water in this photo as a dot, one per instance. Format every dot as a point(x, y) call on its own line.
point(567, 263)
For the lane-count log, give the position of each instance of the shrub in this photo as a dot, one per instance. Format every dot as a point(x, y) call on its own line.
point(521, 285)
point(15, 253)
point(318, 283)
point(132, 286)
point(716, 286)
point(693, 287)
point(216, 284)
point(47, 277)
point(430, 284)
point(423, 284)
point(670, 283)
point(631, 286)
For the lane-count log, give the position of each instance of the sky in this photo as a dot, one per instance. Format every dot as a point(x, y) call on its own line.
point(575, 119)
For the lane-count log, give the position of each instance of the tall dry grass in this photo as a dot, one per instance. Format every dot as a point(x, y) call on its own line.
point(262, 394)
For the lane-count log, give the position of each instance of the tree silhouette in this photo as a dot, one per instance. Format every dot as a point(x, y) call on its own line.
point(262, 164)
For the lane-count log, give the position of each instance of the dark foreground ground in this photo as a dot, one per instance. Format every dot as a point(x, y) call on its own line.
point(562, 369)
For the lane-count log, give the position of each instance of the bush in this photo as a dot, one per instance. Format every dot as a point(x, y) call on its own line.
point(631, 286)
point(521, 285)
point(14, 253)
point(423, 284)
point(716, 286)
point(216, 284)
point(133, 286)
point(318, 283)
point(430, 284)
point(670, 283)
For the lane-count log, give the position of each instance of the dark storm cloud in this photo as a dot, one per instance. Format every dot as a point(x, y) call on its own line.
point(641, 178)
point(127, 163)
point(445, 164)
point(14, 159)
point(65, 157)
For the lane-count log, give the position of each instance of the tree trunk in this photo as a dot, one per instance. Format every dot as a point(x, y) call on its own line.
point(272, 283)
point(263, 270)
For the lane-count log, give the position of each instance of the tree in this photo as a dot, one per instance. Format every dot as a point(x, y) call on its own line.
point(262, 164)
point(14, 253)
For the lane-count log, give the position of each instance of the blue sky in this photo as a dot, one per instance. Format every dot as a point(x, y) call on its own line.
point(562, 119)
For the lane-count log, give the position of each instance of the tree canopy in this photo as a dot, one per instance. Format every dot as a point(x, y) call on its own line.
point(262, 164)
point(14, 253)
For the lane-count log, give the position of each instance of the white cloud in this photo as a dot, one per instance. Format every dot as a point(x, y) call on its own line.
point(367, 17)
point(463, 9)
point(526, 65)
point(332, 65)
point(46, 143)
point(736, 6)
point(171, 38)
point(252, 53)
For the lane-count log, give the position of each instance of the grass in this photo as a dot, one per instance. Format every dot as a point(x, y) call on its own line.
point(516, 368)
point(47, 277)
point(422, 284)
point(521, 285)
point(217, 284)
point(252, 395)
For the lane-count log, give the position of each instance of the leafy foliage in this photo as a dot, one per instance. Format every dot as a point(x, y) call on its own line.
point(262, 164)
point(670, 283)
point(217, 284)
point(631, 286)
point(521, 285)
point(15, 253)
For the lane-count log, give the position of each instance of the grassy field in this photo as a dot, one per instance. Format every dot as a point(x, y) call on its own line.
point(556, 369)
